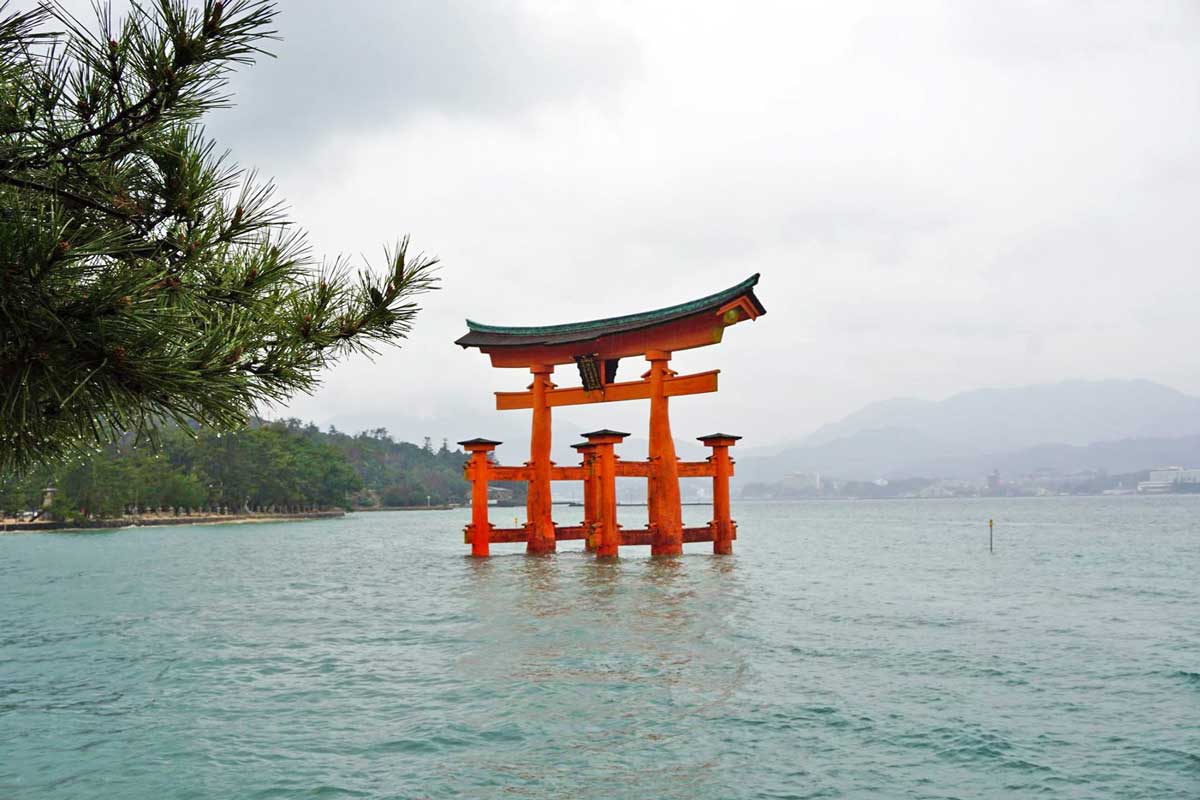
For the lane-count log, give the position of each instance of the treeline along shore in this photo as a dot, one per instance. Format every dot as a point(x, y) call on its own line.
point(267, 469)
point(176, 516)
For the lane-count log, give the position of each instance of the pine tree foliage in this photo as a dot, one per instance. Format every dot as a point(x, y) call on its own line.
point(144, 277)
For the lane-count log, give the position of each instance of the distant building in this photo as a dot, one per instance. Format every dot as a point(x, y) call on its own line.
point(498, 495)
point(803, 480)
point(1168, 479)
point(1175, 475)
point(950, 488)
point(1055, 482)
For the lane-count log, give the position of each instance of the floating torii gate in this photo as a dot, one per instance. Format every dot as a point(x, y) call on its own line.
point(596, 348)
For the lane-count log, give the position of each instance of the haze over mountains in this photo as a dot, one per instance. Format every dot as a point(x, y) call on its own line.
point(1116, 425)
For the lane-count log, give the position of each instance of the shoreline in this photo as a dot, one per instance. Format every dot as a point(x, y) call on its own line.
point(371, 509)
point(155, 522)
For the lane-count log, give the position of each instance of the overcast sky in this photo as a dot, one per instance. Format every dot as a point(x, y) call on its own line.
point(939, 198)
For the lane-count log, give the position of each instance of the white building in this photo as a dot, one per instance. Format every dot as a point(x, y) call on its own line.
point(1175, 475)
point(1164, 479)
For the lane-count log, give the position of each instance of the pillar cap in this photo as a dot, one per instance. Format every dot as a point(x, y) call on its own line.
point(479, 444)
point(581, 445)
point(606, 432)
point(605, 436)
point(714, 437)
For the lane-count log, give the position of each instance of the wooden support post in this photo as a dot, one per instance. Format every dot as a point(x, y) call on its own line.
point(476, 471)
point(609, 535)
point(591, 493)
point(663, 500)
point(538, 508)
point(722, 525)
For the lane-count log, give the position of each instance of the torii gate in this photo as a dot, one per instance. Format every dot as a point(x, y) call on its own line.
point(597, 347)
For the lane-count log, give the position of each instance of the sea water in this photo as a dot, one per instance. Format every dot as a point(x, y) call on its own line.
point(847, 649)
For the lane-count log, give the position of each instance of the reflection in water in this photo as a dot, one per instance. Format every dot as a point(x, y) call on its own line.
point(581, 652)
point(725, 567)
point(600, 580)
point(539, 576)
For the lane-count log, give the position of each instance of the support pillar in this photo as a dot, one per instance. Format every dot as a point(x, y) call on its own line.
point(663, 499)
point(609, 535)
point(478, 533)
point(722, 525)
point(538, 509)
point(591, 493)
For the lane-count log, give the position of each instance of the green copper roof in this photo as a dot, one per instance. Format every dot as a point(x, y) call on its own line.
point(480, 335)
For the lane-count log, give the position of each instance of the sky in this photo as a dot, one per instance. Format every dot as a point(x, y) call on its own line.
point(940, 196)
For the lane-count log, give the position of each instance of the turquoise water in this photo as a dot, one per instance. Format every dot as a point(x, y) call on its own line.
point(849, 649)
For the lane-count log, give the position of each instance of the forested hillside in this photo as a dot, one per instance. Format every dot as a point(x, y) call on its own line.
point(286, 465)
point(393, 473)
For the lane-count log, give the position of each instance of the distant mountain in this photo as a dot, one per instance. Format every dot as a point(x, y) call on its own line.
point(971, 433)
point(1070, 412)
point(865, 455)
point(1116, 458)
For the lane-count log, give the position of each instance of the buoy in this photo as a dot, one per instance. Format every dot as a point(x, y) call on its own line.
point(991, 527)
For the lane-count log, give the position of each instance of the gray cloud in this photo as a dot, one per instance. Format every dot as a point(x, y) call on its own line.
point(361, 65)
point(940, 196)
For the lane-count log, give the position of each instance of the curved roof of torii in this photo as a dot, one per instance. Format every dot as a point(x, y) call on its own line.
point(480, 335)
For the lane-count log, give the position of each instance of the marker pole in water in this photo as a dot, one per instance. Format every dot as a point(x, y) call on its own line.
point(991, 527)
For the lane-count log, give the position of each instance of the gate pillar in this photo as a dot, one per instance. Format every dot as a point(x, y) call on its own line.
point(663, 500)
point(476, 471)
point(722, 526)
point(609, 538)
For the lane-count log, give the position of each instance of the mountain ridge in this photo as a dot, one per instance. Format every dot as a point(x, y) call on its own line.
point(956, 436)
point(1098, 410)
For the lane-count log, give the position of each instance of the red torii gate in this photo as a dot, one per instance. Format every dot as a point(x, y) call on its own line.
point(596, 347)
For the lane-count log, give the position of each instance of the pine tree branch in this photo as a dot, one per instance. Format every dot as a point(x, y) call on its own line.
point(66, 194)
point(138, 283)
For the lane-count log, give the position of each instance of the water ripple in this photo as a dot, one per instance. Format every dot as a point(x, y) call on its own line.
point(847, 650)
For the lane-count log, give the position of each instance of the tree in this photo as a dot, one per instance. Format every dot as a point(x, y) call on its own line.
point(272, 464)
point(144, 277)
point(405, 492)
